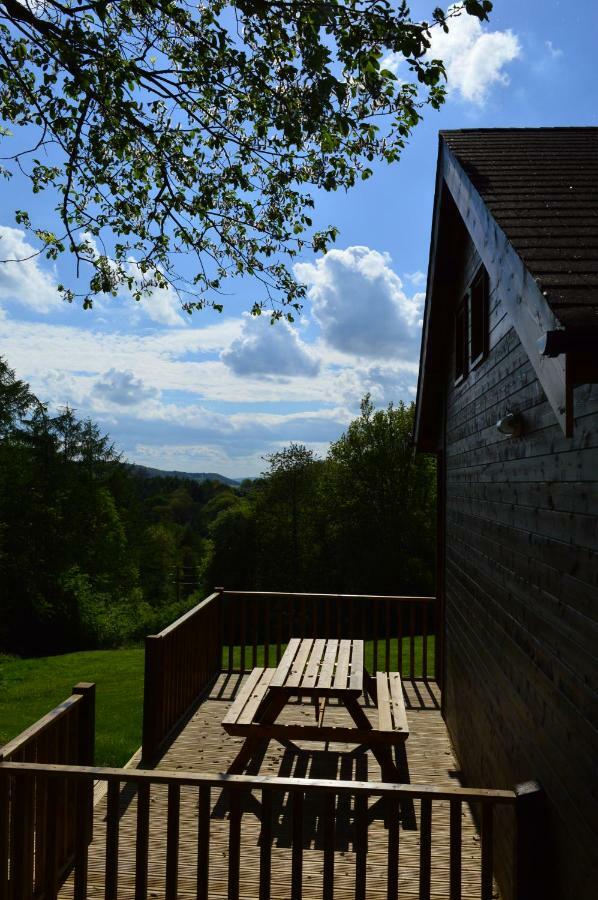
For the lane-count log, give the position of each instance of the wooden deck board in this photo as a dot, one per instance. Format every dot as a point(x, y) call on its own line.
point(205, 747)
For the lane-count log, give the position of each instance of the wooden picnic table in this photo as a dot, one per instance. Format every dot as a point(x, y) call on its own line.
point(322, 669)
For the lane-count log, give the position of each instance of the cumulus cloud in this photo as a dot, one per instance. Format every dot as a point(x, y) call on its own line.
point(22, 280)
point(360, 305)
point(416, 278)
point(269, 349)
point(122, 388)
point(474, 57)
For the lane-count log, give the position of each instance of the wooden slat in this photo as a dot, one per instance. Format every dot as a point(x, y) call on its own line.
point(284, 666)
point(247, 715)
point(356, 679)
point(425, 849)
point(82, 835)
point(296, 671)
point(265, 845)
point(203, 843)
point(51, 850)
point(243, 696)
point(398, 702)
point(392, 859)
point(234, 843)
point(313, 666)
point(142, 841)
point(297, 848)
point(21, 873)
point(455, 850)
point(341, 675)
point(112, 840)
point(172, 841)
point(361, 847)
point(487, 851)
point(327, 669)
point(4, 833)
point(329, 838)
point(384, 712)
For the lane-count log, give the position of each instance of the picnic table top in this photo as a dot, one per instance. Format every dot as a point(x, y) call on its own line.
point(320, 666)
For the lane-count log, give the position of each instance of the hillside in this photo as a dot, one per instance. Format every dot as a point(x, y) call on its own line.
point(149, 472)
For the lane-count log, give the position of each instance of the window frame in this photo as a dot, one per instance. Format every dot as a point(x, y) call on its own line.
point(480, 279)
point(465, 361)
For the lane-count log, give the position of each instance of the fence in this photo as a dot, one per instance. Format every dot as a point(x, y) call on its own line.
point(40, 829)
point(250, 833)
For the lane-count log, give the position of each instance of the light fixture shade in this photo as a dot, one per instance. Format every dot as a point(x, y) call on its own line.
point(511, 424)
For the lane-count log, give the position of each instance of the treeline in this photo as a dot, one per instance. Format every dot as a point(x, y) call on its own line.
point(89, 547)
point(360, 521)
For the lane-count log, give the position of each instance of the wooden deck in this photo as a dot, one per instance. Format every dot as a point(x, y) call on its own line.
point(203, 746)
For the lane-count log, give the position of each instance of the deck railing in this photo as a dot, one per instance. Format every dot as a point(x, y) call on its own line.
point(183, 813)
point(37, 826)
point(180, 662)
point(235, 631)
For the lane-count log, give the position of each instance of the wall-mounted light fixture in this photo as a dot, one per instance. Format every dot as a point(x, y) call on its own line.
point(511, 424)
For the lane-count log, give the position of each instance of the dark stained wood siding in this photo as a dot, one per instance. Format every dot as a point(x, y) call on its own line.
point(521, 678)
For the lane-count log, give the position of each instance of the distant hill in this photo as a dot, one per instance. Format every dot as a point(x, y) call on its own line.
point(148, 472)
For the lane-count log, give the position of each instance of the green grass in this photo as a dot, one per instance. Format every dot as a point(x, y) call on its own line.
point(29, 688)
point(370, 663)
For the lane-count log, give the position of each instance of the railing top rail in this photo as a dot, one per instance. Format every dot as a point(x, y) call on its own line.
point(298, 594)
point(34, 731)
point(186, 616)
point(155, 776)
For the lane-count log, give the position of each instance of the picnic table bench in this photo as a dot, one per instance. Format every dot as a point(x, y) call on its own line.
point(320, 670)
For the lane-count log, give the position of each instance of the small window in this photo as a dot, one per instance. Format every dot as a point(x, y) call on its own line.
point(461, 329)
point(471, 326)
point(478, 317)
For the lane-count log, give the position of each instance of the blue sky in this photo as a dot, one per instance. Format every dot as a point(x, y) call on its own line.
point(217, 392)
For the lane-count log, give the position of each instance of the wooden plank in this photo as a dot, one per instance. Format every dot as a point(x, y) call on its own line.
point(297, 669)
point(384, 710)
point(256, 697)
point(112, 841)
point(341, 675)
point(82, 834)
point(327, 668)
point(242, 697)
point(142, 840)
point(392, 859)
point(487, 851)
point(172, 841)
point(265, 845)
point(398, 703)
point(356, 679)
point(329, 838)
point(313, 666)
point(51, 849)
point(425, 849)
point(297, 847)
point(284, 666)
point(203, 843)
point(455, 850)
point(234, 843)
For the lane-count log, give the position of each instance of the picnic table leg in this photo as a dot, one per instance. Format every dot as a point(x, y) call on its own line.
point(254, 742)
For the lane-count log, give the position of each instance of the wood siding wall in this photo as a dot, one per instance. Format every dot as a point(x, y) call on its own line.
point(521, 688)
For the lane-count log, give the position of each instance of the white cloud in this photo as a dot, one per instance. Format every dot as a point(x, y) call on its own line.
point(417, 278)
point(269, 349)
point(122, 388)
point(474, 56)
point(360, 304)
point(555, 52)
point(24, 281)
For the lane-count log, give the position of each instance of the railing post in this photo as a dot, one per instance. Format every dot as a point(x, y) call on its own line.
point(220, 628)
point(531, 851)
point(86, 744)
point(87, 723)
point(152, 697)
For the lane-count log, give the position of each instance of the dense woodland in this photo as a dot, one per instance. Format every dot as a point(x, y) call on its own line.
point(89, 547)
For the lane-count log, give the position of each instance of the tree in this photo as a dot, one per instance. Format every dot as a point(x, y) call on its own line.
point(167, 127)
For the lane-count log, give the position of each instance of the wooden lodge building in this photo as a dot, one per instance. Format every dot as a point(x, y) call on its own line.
point(508, 401)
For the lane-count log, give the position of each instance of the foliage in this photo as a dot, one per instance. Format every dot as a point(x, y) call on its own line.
point(167, 127)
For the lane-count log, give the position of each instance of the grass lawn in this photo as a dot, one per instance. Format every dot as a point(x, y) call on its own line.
point(29, 688)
